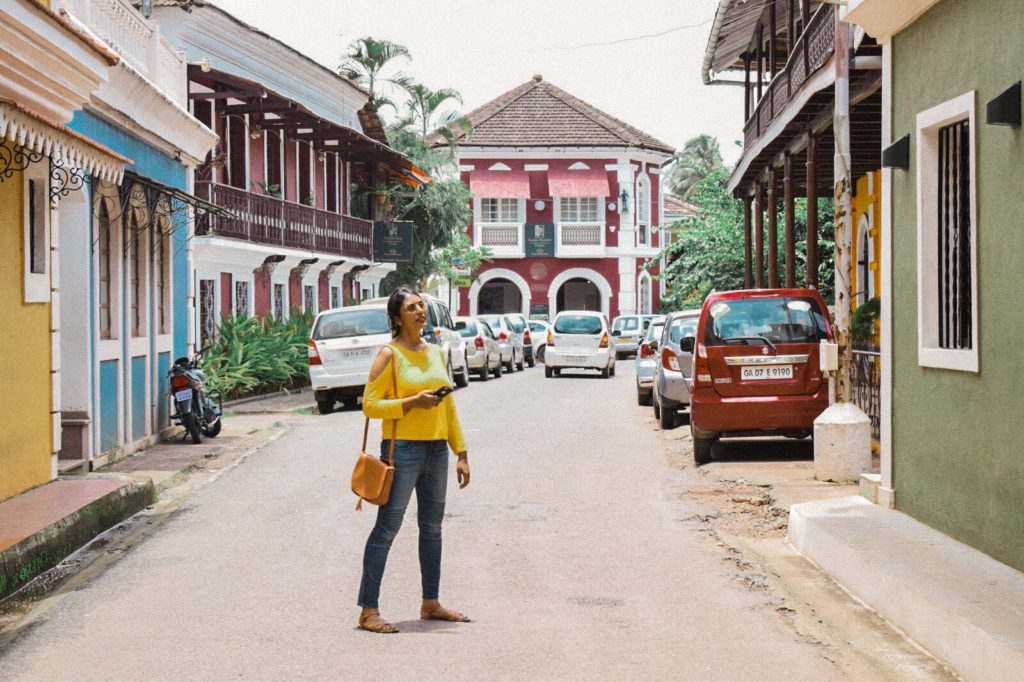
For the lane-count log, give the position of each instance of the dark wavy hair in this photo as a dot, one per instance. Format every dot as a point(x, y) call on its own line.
point(395, 302)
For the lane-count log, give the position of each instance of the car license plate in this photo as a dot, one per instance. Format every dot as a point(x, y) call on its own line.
point(576, 358)
point(625, 339)
point(355, 354)
point(183, 394)
point(765, 372)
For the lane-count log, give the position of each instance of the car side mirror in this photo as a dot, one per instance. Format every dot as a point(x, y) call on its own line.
point(616, 332)
point(686, 344)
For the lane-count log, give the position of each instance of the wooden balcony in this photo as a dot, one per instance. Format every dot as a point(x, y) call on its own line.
point(267, 220)
point(812, 50)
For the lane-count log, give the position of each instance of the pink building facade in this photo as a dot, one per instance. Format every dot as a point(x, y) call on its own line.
point(568, 200)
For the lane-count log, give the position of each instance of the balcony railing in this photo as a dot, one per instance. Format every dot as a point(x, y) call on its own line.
point(866, 378)
point(810, 52)
point(267, 220)
point(505, 240)
point(579, 239)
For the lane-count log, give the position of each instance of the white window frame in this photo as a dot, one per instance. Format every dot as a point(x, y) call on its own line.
point(643, 210)
point(503, 204)
point(929, 122)
point(37, 284)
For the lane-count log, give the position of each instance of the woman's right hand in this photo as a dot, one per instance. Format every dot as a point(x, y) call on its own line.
point(423, 399)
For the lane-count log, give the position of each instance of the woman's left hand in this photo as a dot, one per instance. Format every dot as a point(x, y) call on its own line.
point(462, 471)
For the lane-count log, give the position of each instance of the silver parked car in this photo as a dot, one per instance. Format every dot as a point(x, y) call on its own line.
point(539, 337)
point(646, 359)
point(483, 354)
point(670, 392)
point(522, 327)
point(512, 354)
point(580, 339)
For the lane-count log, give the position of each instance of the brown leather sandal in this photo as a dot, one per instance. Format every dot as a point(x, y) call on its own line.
point(441, 613)
point(380, 626)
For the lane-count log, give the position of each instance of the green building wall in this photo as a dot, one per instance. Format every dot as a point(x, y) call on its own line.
point(958, 437)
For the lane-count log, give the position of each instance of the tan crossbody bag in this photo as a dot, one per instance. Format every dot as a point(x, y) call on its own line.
point(372, 477)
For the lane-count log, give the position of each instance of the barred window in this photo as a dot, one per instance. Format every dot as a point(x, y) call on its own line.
point(499, 210)
point(241, 298)
point(307, 298)
point(954, 237)
point(207, 311)
point(279, 301)
point(579, 209)
point(103, 270)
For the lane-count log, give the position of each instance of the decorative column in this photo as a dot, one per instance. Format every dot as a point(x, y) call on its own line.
point(790, 219)
point(758, 236)
point(811, 276)
point(773, 230)
point(748, 275)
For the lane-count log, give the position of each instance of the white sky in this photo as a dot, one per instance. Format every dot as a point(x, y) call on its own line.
point(637, 61)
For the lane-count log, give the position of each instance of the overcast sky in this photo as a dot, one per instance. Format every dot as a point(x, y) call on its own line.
point(638, 61)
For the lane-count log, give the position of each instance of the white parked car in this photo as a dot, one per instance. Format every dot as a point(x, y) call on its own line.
point(580, 339)
point(342, 346)
point(539, 338)
point(483, 354)
point(511, 341)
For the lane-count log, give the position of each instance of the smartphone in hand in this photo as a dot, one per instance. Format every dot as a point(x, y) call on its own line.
point(443, 391)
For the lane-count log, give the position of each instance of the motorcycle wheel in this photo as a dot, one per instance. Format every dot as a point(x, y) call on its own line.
point(212, 431)
point(191, 425)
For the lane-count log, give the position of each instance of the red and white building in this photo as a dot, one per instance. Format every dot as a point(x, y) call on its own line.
point(569, 201)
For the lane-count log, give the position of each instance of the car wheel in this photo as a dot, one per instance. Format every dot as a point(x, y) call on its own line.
point(497, 370)
point(462, 378)
point(612, 370)
point(701, 447)
point(485, 371)
point(657, 407)
point(604, 373)
point(522, 361)
point(540, 354)
point(325, 406)
point(667, 420)
point(530, 360)
point(643, 398)
point(558, 372)
point(510, 366)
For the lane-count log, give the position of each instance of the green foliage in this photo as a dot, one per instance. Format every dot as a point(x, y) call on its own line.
point(862, 324)
point(689, 166)
point(707, 252)
point(256, 355)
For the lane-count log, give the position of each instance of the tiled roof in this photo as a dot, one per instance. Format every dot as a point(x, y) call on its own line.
point(674, 206)
point(539, 114)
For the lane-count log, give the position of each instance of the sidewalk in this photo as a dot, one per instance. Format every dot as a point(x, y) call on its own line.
point(965, 608)
point(41, 527)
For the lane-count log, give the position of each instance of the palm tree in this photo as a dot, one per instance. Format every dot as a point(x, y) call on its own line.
point(423, 105)
point(698, 157)
point(365, 61)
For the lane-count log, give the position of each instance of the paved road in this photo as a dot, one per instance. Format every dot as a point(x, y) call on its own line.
point(572, 550)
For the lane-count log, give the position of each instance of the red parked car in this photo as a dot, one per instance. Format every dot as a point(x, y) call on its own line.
point(756, 369)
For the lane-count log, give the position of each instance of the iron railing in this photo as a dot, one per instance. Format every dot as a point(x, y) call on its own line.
point(866, 379)
point(263, 219)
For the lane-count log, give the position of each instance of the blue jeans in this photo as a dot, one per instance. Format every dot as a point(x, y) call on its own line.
point(421, 465)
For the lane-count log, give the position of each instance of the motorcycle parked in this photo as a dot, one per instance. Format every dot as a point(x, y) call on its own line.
point(194, 408)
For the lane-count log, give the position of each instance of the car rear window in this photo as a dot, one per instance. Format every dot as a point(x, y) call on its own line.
point(682, 326)
point(654, 331)
point(354, 322)
point(470, 329)
point(751, 321)
point(494, 321)
point(627, 323)
point(578, 324)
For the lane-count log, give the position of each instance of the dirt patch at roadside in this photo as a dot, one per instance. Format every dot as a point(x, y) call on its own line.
point(743, 509)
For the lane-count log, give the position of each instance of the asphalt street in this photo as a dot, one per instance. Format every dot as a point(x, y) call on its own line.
point(572, 550)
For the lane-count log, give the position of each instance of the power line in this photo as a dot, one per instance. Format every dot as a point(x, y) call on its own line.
point(635, 38)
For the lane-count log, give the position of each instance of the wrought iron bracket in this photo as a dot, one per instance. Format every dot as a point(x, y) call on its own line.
point(15, 159)
point(65, 180)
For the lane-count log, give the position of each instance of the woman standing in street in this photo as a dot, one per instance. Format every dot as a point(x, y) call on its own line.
point(426, 425)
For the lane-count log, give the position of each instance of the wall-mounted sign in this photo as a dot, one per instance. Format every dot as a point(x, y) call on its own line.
point(463, 281)
point(392, 242)
point(539, 311)
point(539, 240)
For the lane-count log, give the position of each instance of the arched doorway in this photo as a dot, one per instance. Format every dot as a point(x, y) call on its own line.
point(499, 295)
point(578, 293)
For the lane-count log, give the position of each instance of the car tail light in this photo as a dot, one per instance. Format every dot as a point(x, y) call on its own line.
point(503, 336)
point(604, 340)
point(669, 360)
point(526, 336)
point(645, 351)
point(701, 367)
point(179, 382)
point(551, 339)
point(479, 343)
point(314, 357)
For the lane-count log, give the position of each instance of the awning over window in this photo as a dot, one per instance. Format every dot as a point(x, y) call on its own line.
point(579, 183)
point(64, 146)
point(500, 184)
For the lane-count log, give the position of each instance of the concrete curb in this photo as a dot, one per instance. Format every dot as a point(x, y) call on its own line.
point(45, 549)
point(959, 604)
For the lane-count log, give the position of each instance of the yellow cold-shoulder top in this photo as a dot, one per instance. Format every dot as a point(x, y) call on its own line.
point(417, 371)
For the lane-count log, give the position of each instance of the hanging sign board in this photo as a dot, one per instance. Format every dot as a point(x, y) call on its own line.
point(392, 242)
point(539, 240)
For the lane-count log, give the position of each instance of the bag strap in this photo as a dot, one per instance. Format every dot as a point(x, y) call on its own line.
point(394, 422)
